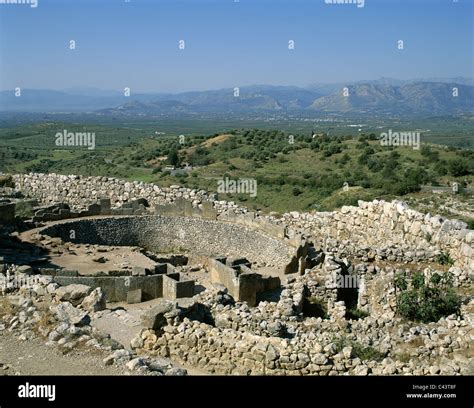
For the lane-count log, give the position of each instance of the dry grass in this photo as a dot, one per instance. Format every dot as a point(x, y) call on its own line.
point(7, 308)
point(215, 140)
point(403, 357)
point(47, 320)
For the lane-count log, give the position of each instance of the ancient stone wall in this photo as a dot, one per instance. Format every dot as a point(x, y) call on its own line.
point(117, 287)
point(380, 224)
point(243, 283)
point(175, 287)
point(225, 351)
point(177, 234)
point(79, 190)
point(376, 225)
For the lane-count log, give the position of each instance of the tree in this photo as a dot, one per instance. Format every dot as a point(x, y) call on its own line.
point(173, 157)
point(431, 155)
point(374, 164)
point(458, 168)
point(426, 300)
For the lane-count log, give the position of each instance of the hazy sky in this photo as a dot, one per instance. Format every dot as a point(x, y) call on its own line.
point(230, 43)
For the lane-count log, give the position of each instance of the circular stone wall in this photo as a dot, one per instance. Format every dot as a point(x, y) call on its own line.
point(175, 234)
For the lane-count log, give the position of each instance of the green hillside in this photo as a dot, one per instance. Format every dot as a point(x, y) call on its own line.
point(293, 172)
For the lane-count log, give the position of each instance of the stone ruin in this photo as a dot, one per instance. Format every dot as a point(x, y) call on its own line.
point(237, 292)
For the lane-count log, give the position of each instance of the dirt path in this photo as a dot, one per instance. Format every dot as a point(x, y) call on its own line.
point(123, 324)
point(33, 357)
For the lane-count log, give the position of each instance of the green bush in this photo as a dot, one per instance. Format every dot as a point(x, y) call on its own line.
point(444, 259)
point(459, 168)
point(24, 209)
point(297, 191)
point(365, 353)
point(375, 164)
point(173, 157)
point(423, 301)
point(332, 148)
point(356, 314)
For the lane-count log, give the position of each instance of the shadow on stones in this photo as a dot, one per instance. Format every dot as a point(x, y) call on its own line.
point(14, 251)
point(199, 289)
point(200, 313)
point(270, 295)
point(314, 307)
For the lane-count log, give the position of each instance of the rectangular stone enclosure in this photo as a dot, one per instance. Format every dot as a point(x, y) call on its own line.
point(117, 288)
point(242, 283)
point(175, 287)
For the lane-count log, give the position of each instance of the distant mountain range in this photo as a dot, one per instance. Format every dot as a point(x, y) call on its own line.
point(385, 96)
point(417, 98)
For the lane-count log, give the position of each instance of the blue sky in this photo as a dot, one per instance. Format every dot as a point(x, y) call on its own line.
point(135, 44)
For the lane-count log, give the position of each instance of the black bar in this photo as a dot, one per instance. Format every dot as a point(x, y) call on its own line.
point(151, 388)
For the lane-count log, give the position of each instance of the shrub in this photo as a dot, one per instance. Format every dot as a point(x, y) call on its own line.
point(332, 148)
point(297, 191)
point(24, 209)
point(426, 301)
point(374, 164)
point(173, 157)
point(444, 259)
point(458, 168)
point(365, 353)
point(431, 155)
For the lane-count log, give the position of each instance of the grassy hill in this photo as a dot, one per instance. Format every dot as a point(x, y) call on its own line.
point(293, 172)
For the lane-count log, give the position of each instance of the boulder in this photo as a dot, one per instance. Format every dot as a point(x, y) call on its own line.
point(74, 293)
point(52, 287)
point(67, 313)
point(95, 301)
point(155, 317)
point(27, 270)
point(176, 371)
point(136, 343)
point(159, 364)
point(136, 363)
point(54, 336)
point(121, 356)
